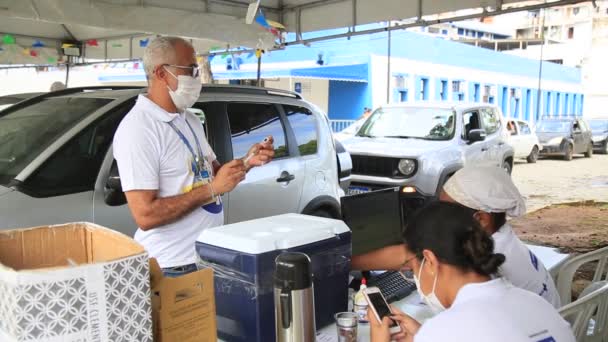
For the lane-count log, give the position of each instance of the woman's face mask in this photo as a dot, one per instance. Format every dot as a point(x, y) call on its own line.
point(431, 299)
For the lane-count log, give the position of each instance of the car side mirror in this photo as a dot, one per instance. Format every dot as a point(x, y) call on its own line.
point(113, 194)
point(476, 135)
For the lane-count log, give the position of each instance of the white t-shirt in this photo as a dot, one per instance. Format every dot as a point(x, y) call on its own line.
point(522, 268)
point(499, 312)
point(151, 156)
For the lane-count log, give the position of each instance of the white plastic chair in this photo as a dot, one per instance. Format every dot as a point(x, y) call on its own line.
point(588, 316)
point(569, 268)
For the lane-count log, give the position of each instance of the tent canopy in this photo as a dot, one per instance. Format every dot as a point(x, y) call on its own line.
point(114, 28)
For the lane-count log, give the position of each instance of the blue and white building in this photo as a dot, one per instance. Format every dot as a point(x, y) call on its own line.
point(344, 76)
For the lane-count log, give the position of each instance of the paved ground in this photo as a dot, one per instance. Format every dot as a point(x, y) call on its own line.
point(553, 181)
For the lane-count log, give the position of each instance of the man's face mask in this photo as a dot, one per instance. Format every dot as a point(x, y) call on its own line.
point(187, 92)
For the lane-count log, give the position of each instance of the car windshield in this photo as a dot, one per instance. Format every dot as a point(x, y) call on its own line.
point(554, 127)
point(26, 132)
point(354, 127)
point(599, 126)
point(410, 122)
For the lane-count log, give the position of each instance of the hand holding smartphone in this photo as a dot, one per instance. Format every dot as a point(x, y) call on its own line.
point(380, 307)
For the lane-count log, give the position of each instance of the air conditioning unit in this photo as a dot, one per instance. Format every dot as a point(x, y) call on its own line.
point(493, 91)
point(517, 94)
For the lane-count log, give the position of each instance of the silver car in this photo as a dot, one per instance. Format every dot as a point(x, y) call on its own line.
point(56, 161)
point(423, 144)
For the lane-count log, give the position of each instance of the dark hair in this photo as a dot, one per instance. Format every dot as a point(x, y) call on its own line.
point(454, 236)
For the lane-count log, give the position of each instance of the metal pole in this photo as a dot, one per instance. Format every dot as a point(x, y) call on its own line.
point(259, 69)
point(67, 73)
point(540, 69)
point(388, 72)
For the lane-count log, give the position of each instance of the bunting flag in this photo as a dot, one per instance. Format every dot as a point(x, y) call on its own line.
point(38, 44)
point(260, 19)
point(144, 42)
point(26, 52)
point(66, 45)
point(8, 39)
point(33, 53)
point(92, 42)
point(210, 58)
point(136, 66)
point(224, 55)
point(275, 24)
point(199, 59)
point(258, 53)
point(52, 60)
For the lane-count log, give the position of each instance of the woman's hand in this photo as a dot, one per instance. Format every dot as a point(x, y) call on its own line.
point(379, 330)
point(409, 326)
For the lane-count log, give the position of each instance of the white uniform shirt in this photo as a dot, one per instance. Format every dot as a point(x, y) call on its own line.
point(151, 156)
point(496, 311)
point(522, 268)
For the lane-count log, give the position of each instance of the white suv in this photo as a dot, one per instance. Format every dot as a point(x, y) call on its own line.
point(56, 162)
point(423, 144)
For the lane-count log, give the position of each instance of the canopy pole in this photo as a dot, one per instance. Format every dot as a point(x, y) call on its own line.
point(388, 72)
point(67, 73)
point(258, 53)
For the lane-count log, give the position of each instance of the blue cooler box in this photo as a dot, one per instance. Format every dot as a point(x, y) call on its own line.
point(242, 256)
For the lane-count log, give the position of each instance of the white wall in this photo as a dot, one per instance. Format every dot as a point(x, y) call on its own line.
point(434, 71)
point(313, 90)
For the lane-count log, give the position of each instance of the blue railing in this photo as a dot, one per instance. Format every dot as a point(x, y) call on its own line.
point(338, 125)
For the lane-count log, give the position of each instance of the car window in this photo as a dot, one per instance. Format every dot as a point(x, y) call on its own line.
point(250, 123)
point(490, 120)
point(470, 122)
point(410, 123)
point(304, 126)
point(75, 166)
point(27, 131)
point(524, 128)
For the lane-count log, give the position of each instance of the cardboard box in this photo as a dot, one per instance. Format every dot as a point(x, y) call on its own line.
point(183, 308)
point(73, 282)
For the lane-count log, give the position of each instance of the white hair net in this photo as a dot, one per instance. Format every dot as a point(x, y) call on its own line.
point(488, 189)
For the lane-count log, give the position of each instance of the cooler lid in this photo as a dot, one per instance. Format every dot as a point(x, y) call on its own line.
point(273, 233)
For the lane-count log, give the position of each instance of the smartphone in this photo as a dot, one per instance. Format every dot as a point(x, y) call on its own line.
point(380, 307)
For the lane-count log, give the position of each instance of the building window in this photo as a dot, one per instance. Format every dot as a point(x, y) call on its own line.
point(443, 94)
point(570, 32)
point(458, 90)
point(445, 32)
point(460, 32)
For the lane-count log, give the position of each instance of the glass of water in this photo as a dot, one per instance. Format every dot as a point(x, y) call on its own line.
point(346, 323)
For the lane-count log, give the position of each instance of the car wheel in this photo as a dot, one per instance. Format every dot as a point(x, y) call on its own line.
point(321, 213)
point(589, 152)
point(569, 152)
point(533, 157)
point(507, 166)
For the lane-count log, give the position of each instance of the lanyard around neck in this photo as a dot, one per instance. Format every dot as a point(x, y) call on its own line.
point(186, 142)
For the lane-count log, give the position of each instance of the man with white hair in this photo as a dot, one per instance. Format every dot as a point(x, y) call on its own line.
point(170, 174)
point(491, 195)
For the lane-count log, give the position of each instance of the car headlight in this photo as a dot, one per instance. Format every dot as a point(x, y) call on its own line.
point(555, 141)
point(407, 167)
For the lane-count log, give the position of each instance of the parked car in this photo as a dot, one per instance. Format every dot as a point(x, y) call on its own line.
point(524, 140)
point(56, 161)
point(9, 100)
point(422, 145)
point(350, 131)
point(565, 137)
point(599, 128)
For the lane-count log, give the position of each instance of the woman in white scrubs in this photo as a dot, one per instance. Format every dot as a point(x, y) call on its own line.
point(455, 270)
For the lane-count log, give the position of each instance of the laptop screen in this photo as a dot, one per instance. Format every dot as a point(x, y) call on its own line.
point(374, 219)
